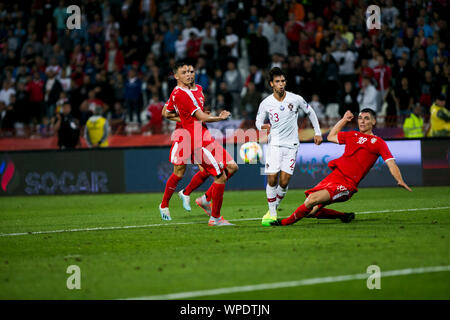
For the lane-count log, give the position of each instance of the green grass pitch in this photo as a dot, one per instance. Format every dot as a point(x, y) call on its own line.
point(186, 255)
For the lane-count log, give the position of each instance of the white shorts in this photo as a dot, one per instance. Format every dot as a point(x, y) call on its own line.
point(280, 159)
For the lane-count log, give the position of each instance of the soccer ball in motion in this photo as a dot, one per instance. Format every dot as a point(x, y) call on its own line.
point(251, 152)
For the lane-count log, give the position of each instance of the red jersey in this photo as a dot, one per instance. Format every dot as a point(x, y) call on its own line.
point(154, 111)
point(361, 152)
point(186, 102)
point(383, 76)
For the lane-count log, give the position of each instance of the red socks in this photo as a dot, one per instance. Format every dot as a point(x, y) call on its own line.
point(299, 213)
point(328, 214)
point(217, 198)
point(209, 193)
point(197, 181)
point(171, 185)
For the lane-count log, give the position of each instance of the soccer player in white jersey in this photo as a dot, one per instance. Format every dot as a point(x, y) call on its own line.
point(282, 109)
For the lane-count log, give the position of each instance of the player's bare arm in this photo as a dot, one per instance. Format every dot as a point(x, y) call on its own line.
point(332, 136)
point(204, 117)
point(395, 171)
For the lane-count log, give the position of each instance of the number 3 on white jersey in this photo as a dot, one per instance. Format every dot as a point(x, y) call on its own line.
point(274, 117)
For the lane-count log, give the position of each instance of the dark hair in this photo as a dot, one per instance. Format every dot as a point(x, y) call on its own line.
point(368, 110)
point(180, 64)
point(274, 72)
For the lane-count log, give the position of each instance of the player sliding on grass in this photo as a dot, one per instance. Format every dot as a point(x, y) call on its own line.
point(200, 146)
point(362, 150)
point(179, 160)
point(282, 108)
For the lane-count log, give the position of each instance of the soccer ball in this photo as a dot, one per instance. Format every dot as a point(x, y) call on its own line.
point(251, 152)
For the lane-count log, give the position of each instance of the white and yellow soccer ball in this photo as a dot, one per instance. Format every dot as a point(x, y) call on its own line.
point(251, 152)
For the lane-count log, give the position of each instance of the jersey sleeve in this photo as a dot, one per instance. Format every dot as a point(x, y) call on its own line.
point(186, 103)
point(261, 116)
point(169, 105)
point(384, 151)
point(304, 105)
point(343, 136)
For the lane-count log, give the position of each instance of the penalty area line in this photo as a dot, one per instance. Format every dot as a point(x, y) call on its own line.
point(183, 223)
point(289, 284)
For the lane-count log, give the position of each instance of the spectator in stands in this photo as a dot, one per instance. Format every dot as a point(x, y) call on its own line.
point(114, 60)
point(400, 48)
point(256, 77)
point(251, 101)
point(383, 76)
point(392, 108)
point(117, 121)
point(413, 125)
point(193, 46)
point(348, 100)
point(201, 75)
point(233, 79)
point(180, 47)
point(6, 119)
point(318, 108)
point(404, 96)
point(6, 92)
point(36, 90)
point(170, 37)
point(96, 130)
point(53, 89)
point(132, 95)
point(367, 97)
point(60, 15)
point(22, 106)
point(67, 128)
point(258, 48)
point(154, 115)
point(278, 43)
point(232, 42)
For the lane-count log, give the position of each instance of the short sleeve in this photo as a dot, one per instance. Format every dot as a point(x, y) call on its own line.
point(343, 136)
point(384, 151)
point(169, 105)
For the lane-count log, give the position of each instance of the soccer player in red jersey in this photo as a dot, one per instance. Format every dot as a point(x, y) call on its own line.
point(179, 160)
point(362, 150)
point(203, 149)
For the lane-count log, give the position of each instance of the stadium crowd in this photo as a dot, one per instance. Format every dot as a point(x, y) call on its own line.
point(117, 66)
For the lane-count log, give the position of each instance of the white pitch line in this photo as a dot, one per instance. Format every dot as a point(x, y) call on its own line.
point(288, 284)
point(183, 223)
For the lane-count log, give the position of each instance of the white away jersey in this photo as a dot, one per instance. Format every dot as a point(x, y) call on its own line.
point(283, 118)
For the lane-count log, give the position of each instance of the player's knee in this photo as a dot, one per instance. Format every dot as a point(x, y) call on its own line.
point(272, 180)
point(284, 184)
point(179, 170)
point(232, 168)
point(312, 200)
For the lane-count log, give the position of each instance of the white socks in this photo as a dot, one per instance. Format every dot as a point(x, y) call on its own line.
point(281, 192)
point(272, 199)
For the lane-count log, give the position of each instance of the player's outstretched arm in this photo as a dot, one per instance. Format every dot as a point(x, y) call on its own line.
point(205, 117)
point(395, 171)
point(332, 136)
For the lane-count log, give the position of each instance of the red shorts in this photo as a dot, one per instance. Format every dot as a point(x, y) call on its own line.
point(338, 186)
point(212, 157)
point(180, 152)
